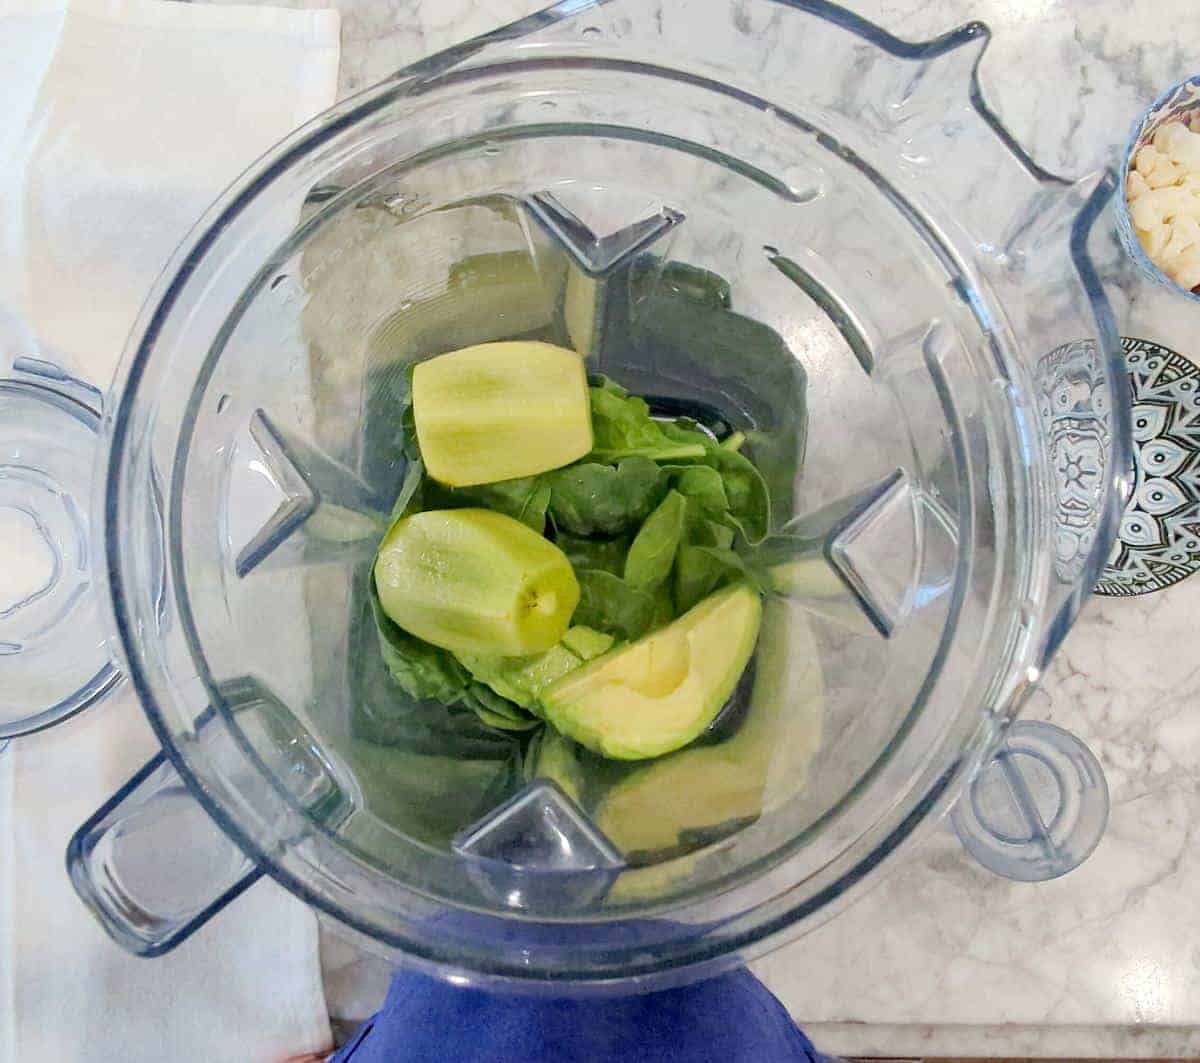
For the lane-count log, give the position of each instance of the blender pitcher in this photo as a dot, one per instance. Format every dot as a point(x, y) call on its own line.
point(773, 217)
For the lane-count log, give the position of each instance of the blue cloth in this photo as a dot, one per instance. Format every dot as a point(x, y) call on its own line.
point(729, 1019)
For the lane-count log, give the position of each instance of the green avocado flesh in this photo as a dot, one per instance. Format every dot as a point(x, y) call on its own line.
point(475, 581)
point(522, 679)
point(697, 791)
point(660, 692)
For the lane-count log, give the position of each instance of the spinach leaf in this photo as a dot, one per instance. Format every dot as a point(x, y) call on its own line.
point(556, 758)
point(703, 532)
point(498, 712)
point(408, 428)
point(384, 712)
point(384, 715)
point(703, 486)
point(622, 427)
point(749, 504)
point(653, 551)
point(419, 669)
point(481, 697)
point(402, 390)
point(664, 607)
point(426, 672)
point(410, 499)
point(734, 563)
point(698, 339)
point(607, 555)
point(706, 559)
point(607, 603)
point(685, 432)
point(595, 499)
point(381, 421)
point(696, 573)
point(536, 506)
point(525, 499)
point(696, 576)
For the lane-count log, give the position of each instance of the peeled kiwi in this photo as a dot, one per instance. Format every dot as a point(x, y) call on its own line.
point(497, 411)
point(475, 581)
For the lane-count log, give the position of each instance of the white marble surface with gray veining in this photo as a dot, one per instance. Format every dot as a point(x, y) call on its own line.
point(944, 958)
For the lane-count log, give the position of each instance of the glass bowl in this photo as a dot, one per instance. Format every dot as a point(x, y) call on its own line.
point(1180, 102)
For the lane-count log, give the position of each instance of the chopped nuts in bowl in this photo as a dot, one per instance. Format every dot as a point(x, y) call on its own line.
point(1159, 222)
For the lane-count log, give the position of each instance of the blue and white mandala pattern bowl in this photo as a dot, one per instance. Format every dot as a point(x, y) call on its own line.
point(1159, 539)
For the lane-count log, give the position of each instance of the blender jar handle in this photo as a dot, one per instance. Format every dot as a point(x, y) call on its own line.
point(152, 866)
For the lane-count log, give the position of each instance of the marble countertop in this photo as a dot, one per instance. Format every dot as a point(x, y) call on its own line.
point(1106, 961)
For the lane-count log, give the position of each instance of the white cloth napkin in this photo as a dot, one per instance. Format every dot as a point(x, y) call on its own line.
point(121, 121)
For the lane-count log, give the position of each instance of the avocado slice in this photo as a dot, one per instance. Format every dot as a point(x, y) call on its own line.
point(659, 693)
point(587, 643)
point(522, 679)
point(694, 793)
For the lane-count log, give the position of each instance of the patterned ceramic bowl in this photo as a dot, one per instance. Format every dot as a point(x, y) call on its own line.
point(1179, 103)
point(1158, 544)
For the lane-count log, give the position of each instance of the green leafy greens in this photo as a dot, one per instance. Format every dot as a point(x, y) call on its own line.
point(653, 519)
point(592, 499)
point(607, 555)
point(622, 427)
point(652, 553)
point(525, 499)
point(610, 604)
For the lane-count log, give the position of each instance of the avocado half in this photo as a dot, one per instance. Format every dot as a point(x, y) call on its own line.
point(659, 693)
point(696, 792)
